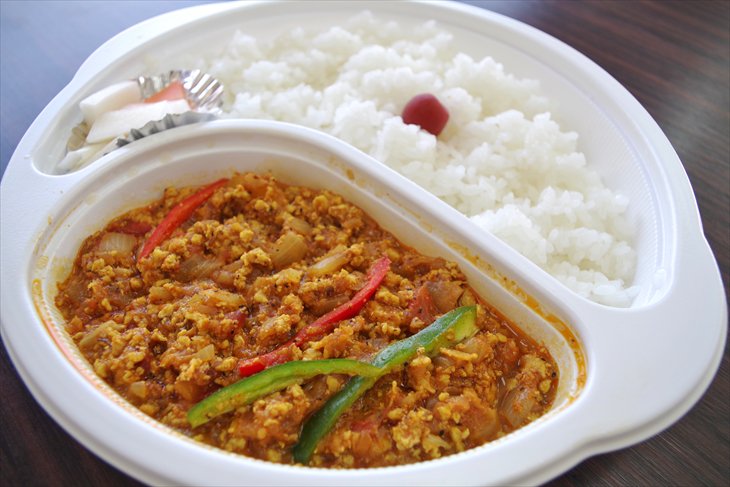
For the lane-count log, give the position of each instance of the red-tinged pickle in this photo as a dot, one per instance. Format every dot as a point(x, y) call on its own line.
point(173, 91)
point(426, 111)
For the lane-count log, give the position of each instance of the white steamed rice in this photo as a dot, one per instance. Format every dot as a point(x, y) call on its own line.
point(501, 160)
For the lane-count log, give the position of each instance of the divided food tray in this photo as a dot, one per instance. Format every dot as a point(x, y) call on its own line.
point(625, 373)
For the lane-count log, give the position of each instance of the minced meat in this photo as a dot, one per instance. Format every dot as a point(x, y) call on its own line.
point(254, 264)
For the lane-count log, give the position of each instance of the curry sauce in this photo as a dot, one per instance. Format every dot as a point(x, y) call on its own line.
point(241, 274)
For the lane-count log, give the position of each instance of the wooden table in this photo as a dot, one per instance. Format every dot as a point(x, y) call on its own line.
point(672, 56)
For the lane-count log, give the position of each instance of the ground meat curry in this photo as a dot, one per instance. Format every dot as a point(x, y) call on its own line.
point(170, 301)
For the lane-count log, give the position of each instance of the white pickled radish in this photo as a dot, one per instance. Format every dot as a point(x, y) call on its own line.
point(119, 122)
point(78, 158)
point(108, 99)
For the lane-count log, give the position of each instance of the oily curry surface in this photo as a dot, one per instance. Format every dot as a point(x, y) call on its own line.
point(238, 274)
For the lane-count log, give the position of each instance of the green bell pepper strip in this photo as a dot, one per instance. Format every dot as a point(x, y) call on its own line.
point(446, 331)
point(273, 379)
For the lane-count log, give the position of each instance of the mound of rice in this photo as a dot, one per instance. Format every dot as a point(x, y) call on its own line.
point(501, 160)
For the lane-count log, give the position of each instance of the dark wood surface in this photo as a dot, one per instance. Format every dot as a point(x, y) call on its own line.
point(674, 57)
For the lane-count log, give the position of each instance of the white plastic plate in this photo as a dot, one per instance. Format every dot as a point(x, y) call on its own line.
point(644, 366)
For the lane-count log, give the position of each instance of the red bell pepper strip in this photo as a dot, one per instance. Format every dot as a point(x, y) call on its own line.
point(181, 212)
point(323, 325)
point(256, 364)
point(327, 322)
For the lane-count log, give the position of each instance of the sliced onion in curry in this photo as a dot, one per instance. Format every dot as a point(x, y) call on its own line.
point(291, 247)
point(301, 226)
point(197, 266)
point(329, 264)
point(122, 243)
